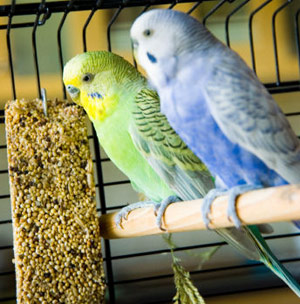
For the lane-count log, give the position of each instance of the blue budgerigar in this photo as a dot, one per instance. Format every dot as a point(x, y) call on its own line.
point(215, 102)
point(224, 114)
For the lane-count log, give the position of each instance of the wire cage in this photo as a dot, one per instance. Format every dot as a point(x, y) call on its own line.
point(38, 37)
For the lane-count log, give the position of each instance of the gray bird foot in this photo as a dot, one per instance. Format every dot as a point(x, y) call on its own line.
point(207, 202)
point(159, 209)
point(123, 213)
point(233, 194)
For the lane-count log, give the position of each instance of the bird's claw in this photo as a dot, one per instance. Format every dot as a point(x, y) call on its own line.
point(124, 212)
point(159, 209)
point(205, 212)
point(156, 209)
point(233, 217)
point(120, 217)
point(207, 202)
point(233, 195)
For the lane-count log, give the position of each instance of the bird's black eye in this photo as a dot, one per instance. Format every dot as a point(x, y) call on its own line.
point(147, 32)
point(87, 77)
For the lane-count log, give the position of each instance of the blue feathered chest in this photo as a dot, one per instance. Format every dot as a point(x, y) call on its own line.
point(192, 120)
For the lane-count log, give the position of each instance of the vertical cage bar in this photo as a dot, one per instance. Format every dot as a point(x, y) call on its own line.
point(60, 54)
point(194, 7)
point(275, 39)
point(251, 32)
point(35, 55)
point(228, 18)
point(145, 8)
point(297, 37)
point(10, 60)
point(95, 8)
point(212, 11)
point(173, 4)
point(112, 21)
point(61, 62)
point(99, 172)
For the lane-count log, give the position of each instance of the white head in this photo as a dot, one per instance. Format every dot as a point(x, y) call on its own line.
point(160, 35)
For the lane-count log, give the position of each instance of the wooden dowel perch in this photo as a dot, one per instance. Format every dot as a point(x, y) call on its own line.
point(268, 205)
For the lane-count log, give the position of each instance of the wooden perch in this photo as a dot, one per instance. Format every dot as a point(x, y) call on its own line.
point(274, 204)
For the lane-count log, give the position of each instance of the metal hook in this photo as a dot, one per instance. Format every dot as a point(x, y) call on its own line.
point(34, 46)
point(44, 101)
point(60, 54)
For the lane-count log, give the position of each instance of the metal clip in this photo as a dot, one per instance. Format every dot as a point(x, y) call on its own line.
point(44, 101)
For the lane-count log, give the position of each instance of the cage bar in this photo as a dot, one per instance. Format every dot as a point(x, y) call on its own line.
point(251, 31)
point(11, 67)
point(280, 85)
point(95, 8)
point(235, 10)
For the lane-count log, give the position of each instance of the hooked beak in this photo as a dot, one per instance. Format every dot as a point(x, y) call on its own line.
point(134, 45)
point(73, 91)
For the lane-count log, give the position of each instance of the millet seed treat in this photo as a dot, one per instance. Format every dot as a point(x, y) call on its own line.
point(56, 232)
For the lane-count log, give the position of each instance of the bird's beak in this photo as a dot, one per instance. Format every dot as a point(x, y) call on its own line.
point(135, 45)
point(73, 91)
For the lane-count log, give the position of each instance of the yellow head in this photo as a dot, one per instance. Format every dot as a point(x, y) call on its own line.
point(94, 80)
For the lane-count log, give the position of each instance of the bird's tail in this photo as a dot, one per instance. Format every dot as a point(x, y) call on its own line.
point(269, 259)
point(249, 241)
point(246, 240)
point(297, 224)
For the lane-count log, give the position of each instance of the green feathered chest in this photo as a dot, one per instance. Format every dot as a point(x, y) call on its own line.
point(113, 134)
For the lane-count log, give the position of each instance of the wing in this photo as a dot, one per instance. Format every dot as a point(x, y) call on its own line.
point(248, 115)
point(177, 165)
point(165, 151)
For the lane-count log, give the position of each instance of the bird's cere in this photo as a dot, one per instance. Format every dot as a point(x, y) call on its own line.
point(73, 91)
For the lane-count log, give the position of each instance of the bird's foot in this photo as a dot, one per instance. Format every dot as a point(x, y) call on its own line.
point(159, 209)
point(207, 202)
point(123, 213)
point(233, 194)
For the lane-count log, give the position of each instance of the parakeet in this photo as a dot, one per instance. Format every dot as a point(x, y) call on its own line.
point(217, 105)
point(116, 98)
point(140, 141)
point(109, 89)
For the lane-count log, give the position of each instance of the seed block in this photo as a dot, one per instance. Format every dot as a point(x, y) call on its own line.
point(56, 232)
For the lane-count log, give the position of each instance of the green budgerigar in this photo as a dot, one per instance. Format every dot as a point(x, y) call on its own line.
point(139, 140)
point(120, 105)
